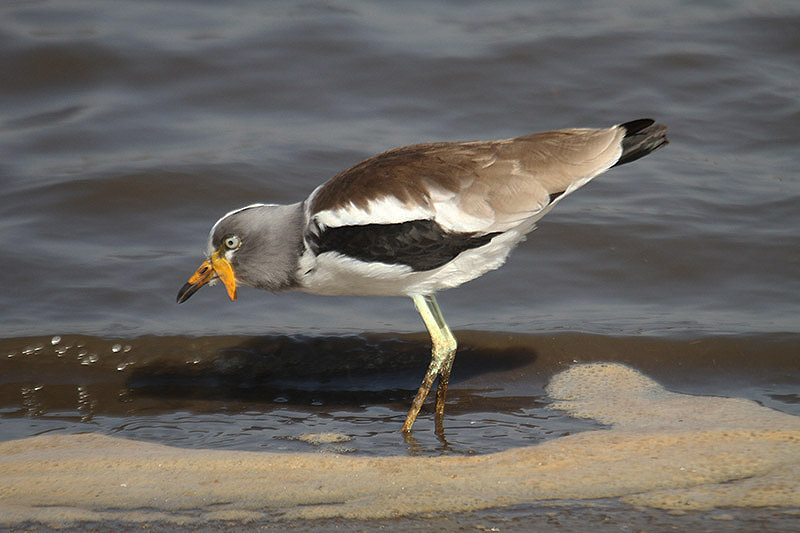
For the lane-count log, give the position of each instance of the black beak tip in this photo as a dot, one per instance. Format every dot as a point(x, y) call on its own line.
point(186, 292)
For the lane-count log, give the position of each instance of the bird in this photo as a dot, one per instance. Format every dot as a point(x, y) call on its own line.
point(413, 221)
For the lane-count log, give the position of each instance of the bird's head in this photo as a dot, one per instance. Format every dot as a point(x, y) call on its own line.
point(254, 246)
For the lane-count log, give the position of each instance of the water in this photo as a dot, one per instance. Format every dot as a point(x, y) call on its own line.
point(129, 128)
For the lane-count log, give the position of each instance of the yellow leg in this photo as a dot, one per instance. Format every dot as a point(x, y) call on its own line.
point(442, 354)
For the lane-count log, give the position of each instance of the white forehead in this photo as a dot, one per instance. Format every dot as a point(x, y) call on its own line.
point(231, 213)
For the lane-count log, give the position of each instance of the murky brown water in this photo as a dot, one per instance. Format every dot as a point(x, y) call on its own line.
point(255, 393)
point(129, 128)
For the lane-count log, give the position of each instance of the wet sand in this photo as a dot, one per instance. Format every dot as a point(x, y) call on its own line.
point(660, 449)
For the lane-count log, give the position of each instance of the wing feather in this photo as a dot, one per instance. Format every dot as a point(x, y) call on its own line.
point(468, 186)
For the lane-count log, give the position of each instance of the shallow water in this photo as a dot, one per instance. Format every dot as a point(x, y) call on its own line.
point(266, 393)
point(659, 449)
point(129, 128)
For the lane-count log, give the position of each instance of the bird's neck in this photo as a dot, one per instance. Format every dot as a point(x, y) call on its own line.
point(290, 225)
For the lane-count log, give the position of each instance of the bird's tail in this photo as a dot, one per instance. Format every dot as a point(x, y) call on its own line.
point(641, 137)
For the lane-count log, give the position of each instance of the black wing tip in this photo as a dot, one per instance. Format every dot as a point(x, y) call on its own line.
point(635, 126)
point(642, 136)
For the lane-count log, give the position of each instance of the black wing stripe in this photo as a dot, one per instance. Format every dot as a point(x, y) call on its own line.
point(420, 244)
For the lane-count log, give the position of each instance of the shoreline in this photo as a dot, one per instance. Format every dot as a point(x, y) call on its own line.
point(662, 450)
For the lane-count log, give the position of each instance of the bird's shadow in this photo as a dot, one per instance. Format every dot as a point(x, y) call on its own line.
point(304, 371)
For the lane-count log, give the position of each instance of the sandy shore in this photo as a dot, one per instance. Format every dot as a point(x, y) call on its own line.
point(661, 449)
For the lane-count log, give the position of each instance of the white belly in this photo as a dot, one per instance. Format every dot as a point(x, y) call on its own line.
point(334, 274)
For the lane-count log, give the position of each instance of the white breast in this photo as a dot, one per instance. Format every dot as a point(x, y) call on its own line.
point(331, 273)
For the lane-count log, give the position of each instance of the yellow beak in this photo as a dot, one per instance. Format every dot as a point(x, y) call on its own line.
point(216, 267)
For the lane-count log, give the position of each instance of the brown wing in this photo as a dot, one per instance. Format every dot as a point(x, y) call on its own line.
point(470, 186)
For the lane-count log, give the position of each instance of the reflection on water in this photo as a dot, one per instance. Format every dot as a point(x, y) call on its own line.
point(659, 449)
point(263, 393)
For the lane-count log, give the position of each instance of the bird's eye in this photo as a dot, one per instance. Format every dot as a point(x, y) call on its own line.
point(231, 242)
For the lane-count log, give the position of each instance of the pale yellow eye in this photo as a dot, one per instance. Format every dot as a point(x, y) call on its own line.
point(231, 242)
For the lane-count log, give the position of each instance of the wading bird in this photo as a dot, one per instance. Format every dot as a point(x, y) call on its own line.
point(414, 221)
